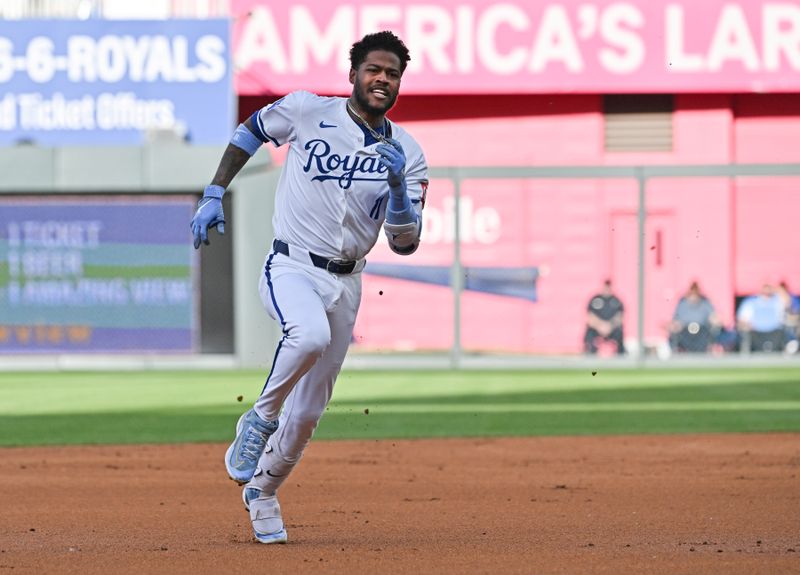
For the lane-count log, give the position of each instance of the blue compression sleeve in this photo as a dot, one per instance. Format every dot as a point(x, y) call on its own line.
point(399, 210)
point(245, 140)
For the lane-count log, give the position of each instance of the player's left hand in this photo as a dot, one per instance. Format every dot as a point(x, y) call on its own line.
point(209, 214)
point(394, 159)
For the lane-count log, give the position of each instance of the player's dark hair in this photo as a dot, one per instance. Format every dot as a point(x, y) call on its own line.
point(379, 41)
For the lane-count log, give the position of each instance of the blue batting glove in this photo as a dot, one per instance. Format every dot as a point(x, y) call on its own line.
point(393, 158)
point(209, 214)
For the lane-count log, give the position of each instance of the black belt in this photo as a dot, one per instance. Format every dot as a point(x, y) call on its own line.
point(335, 266)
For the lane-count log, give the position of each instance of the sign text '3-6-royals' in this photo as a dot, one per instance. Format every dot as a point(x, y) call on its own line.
point(111, 58)
point(91, 82)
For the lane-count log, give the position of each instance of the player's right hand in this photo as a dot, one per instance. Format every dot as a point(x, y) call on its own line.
point(209, 214)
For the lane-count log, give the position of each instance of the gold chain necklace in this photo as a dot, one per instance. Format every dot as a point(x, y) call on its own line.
point(377, 135)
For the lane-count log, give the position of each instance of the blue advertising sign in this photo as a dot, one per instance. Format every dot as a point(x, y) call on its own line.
point(80, 275)
point(86, 82)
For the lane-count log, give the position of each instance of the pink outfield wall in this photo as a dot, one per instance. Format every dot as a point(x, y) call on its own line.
point(479, 90)
point(731, 236)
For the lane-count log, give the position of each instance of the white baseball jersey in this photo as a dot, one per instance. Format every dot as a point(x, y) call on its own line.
point(332, 193)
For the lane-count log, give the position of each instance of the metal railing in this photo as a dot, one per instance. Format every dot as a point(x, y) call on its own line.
point(640, 173)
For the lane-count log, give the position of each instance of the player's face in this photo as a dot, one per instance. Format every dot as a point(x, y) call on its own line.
point(376, 82)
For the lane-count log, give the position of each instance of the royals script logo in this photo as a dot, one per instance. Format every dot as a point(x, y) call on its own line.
point(345, 169)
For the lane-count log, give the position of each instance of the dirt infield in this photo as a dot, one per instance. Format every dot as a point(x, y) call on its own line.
point(654, 504)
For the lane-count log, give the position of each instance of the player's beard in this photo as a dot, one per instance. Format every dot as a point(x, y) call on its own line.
point(361, 96)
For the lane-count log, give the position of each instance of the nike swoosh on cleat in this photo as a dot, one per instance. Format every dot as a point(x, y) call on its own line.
point(322, 124)
point(273, 475)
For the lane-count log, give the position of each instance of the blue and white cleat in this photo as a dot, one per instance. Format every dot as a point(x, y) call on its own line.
point(265, 515)
point(242, 456)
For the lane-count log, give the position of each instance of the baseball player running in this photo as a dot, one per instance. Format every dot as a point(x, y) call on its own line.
point(349, 172)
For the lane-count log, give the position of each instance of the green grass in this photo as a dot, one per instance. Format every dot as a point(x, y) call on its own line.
point(50, 408)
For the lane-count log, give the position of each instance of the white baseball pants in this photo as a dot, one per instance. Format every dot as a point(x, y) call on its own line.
point(317, 311)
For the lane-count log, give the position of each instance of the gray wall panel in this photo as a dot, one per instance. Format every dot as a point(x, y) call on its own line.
point(99, 169)
point(27, 168)
point(257, 334)
point(170, 167)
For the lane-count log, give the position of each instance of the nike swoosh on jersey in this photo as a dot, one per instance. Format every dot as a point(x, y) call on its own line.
point(322, 124)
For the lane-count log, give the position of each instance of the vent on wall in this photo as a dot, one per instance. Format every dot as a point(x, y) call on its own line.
point(638, 122)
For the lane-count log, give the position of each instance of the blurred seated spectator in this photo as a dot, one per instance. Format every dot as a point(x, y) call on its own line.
point(604, 320)
point(791, 319)
point(760, 320)
point(695, 325)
